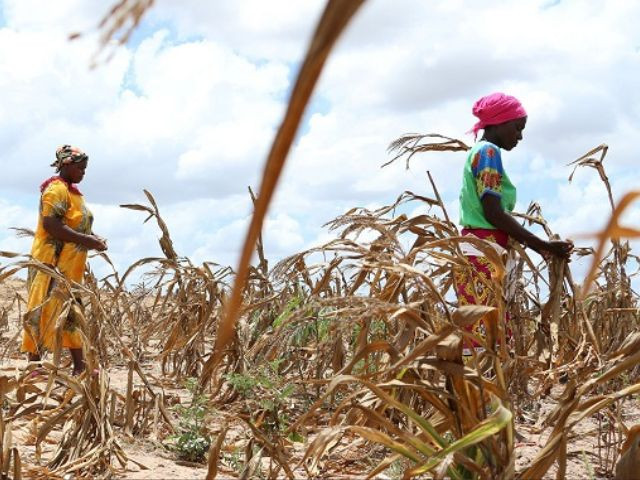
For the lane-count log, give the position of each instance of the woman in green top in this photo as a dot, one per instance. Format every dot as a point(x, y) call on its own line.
point(488, 197)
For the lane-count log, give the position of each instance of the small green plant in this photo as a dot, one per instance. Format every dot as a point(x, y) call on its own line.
point(315, 328)
point(288, 310)
point(378, 329)
point(192, 442)
point(312, 325)
point(268, 391)
point(397, 468)
point(235, 461)
point(587, 465)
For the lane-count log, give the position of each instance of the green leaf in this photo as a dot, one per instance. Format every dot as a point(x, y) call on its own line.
point(286, 313)
point(485, 429)
point(296, 437)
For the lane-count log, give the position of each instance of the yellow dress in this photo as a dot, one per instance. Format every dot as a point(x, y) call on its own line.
point(46, 300)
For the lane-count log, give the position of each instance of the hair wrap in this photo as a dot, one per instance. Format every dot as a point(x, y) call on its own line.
point(66, 154)
point(495, 109)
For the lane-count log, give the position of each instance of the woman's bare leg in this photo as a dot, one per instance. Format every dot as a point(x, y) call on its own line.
point(33, 357)
point(78, 360)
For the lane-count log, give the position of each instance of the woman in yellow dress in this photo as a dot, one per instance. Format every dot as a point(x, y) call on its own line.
point(62, 238)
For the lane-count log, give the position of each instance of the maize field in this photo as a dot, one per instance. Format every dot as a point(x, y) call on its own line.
point(342, 361)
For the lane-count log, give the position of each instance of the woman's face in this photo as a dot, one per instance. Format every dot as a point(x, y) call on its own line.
point(510, 133)
point(74, 172)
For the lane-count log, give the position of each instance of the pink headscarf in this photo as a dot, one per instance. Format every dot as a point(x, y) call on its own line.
point(495, 109)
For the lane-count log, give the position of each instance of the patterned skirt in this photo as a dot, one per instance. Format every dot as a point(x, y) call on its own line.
point(44, 307)
point(471, 285)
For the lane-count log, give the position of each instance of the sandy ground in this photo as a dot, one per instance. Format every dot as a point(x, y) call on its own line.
point(149, 459)
point(587, 445)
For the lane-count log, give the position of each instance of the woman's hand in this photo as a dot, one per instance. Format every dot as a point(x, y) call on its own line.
point(60, 231)
point(559, 248)
point(502, 220)
point(94, 242)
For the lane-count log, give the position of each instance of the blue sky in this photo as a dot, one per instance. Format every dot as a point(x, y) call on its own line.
point(188, 109)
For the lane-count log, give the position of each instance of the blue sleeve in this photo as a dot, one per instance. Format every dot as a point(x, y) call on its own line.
point(486, 167)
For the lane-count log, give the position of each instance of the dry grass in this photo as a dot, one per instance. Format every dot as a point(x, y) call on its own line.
point(344, 359)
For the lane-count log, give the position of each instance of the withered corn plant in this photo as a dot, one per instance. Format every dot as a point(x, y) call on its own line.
point(371, 337)
point(84, 411)
point(179, 311)
point(352, 349)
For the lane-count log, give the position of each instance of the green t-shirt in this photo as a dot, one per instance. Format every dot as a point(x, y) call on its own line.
point(484, 175)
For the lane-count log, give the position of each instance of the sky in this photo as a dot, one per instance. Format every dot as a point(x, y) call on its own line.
point(188, 108)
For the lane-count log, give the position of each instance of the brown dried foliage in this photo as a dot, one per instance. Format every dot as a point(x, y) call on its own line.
point(353, 346)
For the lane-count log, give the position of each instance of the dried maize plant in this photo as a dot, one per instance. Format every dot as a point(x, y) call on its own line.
point(104, 313)
point(177, 314)
point(10, 461)
point(140, 411)
point(88, 442)
point(612, 305)
point(354, 346)
point(11, 300)
point(544, 332)
point(78, 409)
point(572, 334)
point(189, 312)
point(261, 296)
point(69, 421)
point(388, 364)
point(75, 413)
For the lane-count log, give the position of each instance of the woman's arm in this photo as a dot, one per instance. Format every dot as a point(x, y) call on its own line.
point(496, 216)
point(58, 230)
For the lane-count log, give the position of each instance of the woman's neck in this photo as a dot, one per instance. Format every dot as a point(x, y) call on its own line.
point(488, 137)
point(65, 178)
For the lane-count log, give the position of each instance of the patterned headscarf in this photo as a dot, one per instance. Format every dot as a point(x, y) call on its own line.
point(495, 109)
point(66, 154)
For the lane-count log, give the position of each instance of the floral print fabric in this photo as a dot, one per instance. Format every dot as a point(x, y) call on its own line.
point(472, 286)
point(46, 299)
point(484, 174)
point(486, 166)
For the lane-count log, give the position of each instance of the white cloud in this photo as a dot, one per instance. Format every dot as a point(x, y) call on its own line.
point(282, 232)
point(15, 216)
point(65, 16)
point(278, 29)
